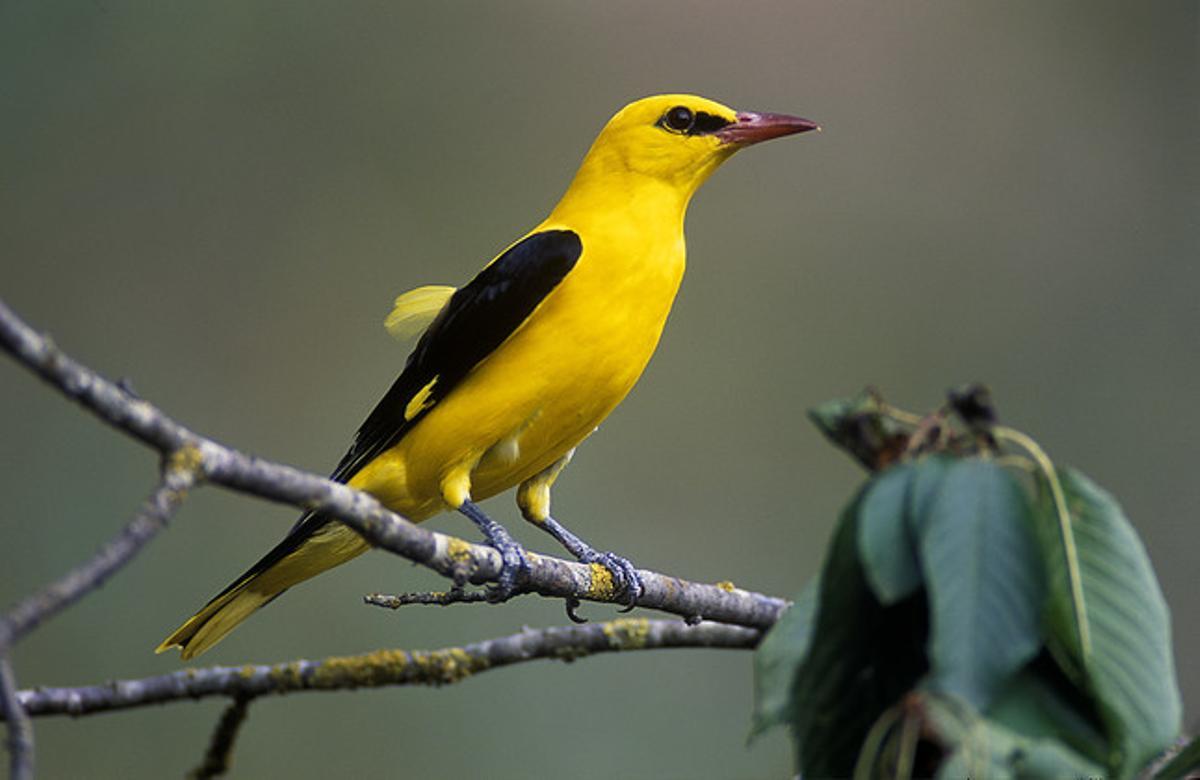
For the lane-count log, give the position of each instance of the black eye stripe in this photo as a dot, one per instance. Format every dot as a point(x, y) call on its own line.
point(702, 123)
point(708, 123)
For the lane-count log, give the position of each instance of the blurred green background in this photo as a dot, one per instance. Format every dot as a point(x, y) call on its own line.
point(220, 202)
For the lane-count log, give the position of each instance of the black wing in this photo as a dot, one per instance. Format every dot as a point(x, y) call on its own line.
point(476, 320)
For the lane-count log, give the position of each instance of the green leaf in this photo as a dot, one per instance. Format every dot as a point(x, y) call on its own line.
point(863, 657)
point(979, 747)
point(885, 541)
point(1040, 702)
point(778, 659)
point(1184, 764)
point(927, 481)
point(985, 581)
point(1122, 640)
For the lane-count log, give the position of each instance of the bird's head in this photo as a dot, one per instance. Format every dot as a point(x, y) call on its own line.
point(681, 139)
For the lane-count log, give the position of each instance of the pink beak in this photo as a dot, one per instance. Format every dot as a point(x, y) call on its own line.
point(752, 127)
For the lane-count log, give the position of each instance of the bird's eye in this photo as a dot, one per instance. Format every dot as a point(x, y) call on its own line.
point(679, 119)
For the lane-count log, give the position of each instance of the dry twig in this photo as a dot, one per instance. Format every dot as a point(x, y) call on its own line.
point(219, 756)
point(20, 730)
point(179, 474)
point(191, 459)
point(385, 668)
point(447, 555)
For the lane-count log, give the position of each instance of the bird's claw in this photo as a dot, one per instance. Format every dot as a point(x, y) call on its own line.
point(627, 583)
point(572, 604)
point(514, 567)
point(514, 563)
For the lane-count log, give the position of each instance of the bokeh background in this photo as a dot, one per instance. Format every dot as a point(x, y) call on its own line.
point(220, 201)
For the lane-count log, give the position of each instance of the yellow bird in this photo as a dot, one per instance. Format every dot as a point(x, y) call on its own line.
point(515, 369)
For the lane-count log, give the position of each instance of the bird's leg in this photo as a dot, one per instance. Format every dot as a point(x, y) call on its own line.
point(514, 565)
point(627, 583)
point(533, 497)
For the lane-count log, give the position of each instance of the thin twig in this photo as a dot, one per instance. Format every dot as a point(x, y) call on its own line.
point(438, 598)
point(20, 728)
point(446, 555)
point(179, 474)
point(387, 667)
point(219, 755)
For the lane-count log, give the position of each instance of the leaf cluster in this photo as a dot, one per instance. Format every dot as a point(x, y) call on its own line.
point(979, 612)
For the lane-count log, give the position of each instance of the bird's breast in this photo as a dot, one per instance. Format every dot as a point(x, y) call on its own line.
point(556, 378)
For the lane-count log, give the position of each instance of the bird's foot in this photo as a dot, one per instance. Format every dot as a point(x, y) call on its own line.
point(627, 583)
point(514, 565)
point(513, 568)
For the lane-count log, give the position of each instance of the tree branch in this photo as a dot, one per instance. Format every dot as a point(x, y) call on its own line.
point(20, 729)
point(437, 598)
point(179, 474)
point(219, 756)
point(385, 668)
point(447, 555)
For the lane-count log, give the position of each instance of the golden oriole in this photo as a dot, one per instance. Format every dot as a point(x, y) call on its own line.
point(515, 369)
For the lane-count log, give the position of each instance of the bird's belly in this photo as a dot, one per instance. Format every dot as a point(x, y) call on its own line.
point(530, 402)
point(512, 418)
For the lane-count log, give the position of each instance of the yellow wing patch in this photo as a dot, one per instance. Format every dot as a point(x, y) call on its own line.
point(421, 401)
point(414, 310)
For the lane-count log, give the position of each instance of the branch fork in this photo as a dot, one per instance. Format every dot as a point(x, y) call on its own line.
point(189, 460)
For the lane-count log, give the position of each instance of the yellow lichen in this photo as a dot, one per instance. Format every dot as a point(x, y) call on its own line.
point(601, 583)
point(378, 668)
point(450, 665)
point(627, 633)
point(458, 550)
point(726, 586)
point(186, 458)
point(286, 676)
